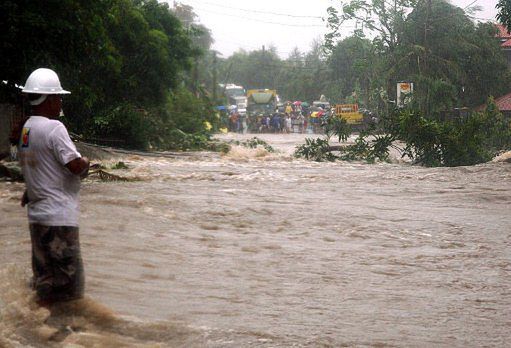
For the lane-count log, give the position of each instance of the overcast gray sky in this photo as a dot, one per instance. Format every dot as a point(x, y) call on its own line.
point(250, 24)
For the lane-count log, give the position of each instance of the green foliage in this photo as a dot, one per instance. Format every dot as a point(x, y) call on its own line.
point(302, 76)
point(464, 141)
point(352, 62)
point(504, 13)
point(333, 24)
point(253, 143)
point(455, 64)
point(219, 146)
point(154, 49)
point(188, 112)
point(123, 60)
point(176, 139)
point(369, 147)
point(122, 125)
point(337, 126)
point(119, 165)
point(496, 129)
point(315, 150)
point(452, 61)
point(455, 143)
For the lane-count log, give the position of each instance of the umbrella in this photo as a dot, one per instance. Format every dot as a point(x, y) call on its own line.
point(297, 102)
point(305, 104)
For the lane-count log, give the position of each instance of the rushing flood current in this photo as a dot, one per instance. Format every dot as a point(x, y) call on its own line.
point(259, 249)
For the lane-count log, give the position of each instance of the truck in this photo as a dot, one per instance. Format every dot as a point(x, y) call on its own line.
point(260, 103)
point(236, 96)
point(322, 103)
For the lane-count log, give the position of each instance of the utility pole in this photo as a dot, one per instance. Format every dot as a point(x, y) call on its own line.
point(215, 78)
point(426, 29)
point(426, 52)
point(195, 77)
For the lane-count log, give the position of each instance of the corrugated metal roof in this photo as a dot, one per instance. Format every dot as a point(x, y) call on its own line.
point(503, 33)
point(503, 103)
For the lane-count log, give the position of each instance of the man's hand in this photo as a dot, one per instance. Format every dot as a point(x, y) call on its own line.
point(79, 166)
point(24, 199)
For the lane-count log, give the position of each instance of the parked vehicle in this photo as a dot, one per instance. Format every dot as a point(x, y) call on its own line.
point(260, 103)
point(350, 113)
point(321, 104)
point(235, 95)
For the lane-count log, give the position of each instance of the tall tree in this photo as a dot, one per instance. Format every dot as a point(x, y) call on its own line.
point(380, 16)
point(64, 35)
point(436, 45)
point(453, 61)
point(120, 58)
point(352, 63)
point(504, 13)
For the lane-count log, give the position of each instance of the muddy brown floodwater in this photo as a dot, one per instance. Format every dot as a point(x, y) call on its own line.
point(257, 249)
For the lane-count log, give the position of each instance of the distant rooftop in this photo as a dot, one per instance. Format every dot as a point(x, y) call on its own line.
point(503, 33)
point(503, 103)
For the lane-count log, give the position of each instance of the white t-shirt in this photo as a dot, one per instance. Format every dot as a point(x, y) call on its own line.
point(45, 148)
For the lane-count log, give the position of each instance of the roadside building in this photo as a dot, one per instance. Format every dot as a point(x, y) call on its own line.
point(505, 41)
point(503, 104)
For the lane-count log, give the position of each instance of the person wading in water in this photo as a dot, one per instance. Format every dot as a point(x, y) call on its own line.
point(52, 168)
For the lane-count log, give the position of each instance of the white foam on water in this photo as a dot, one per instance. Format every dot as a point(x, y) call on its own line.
point(245, 154)
point(82, 323)
point(87, 323)
point(503, 157)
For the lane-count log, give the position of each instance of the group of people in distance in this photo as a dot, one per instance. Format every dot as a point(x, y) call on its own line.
point(291, 118)
point(287, 118)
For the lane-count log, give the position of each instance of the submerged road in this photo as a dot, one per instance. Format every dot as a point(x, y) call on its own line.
point(260, 249)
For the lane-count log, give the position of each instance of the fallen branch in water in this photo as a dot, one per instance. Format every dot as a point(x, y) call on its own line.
point(11, 172)
point(106, 176)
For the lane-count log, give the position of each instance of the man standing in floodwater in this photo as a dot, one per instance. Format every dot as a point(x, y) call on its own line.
point(52, 168)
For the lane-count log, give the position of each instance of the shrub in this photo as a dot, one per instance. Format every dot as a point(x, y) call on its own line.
point(465, 141)
point(122, 125)
point(316, 150)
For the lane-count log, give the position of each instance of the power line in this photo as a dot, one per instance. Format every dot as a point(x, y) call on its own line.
point(262, 21)
point(249, 47)
point(285, 64)
point(261, 12)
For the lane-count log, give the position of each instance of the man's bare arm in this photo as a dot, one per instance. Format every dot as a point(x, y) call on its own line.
point(79, 166)
point(24, 199)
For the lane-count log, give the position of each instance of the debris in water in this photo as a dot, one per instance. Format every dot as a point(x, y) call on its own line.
point(120, 165)
point(106, 176)
point(503, 157)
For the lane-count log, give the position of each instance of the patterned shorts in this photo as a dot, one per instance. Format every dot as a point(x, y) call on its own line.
point(56, 263)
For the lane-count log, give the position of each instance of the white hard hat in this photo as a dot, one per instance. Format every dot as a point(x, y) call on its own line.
point(43, 81)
